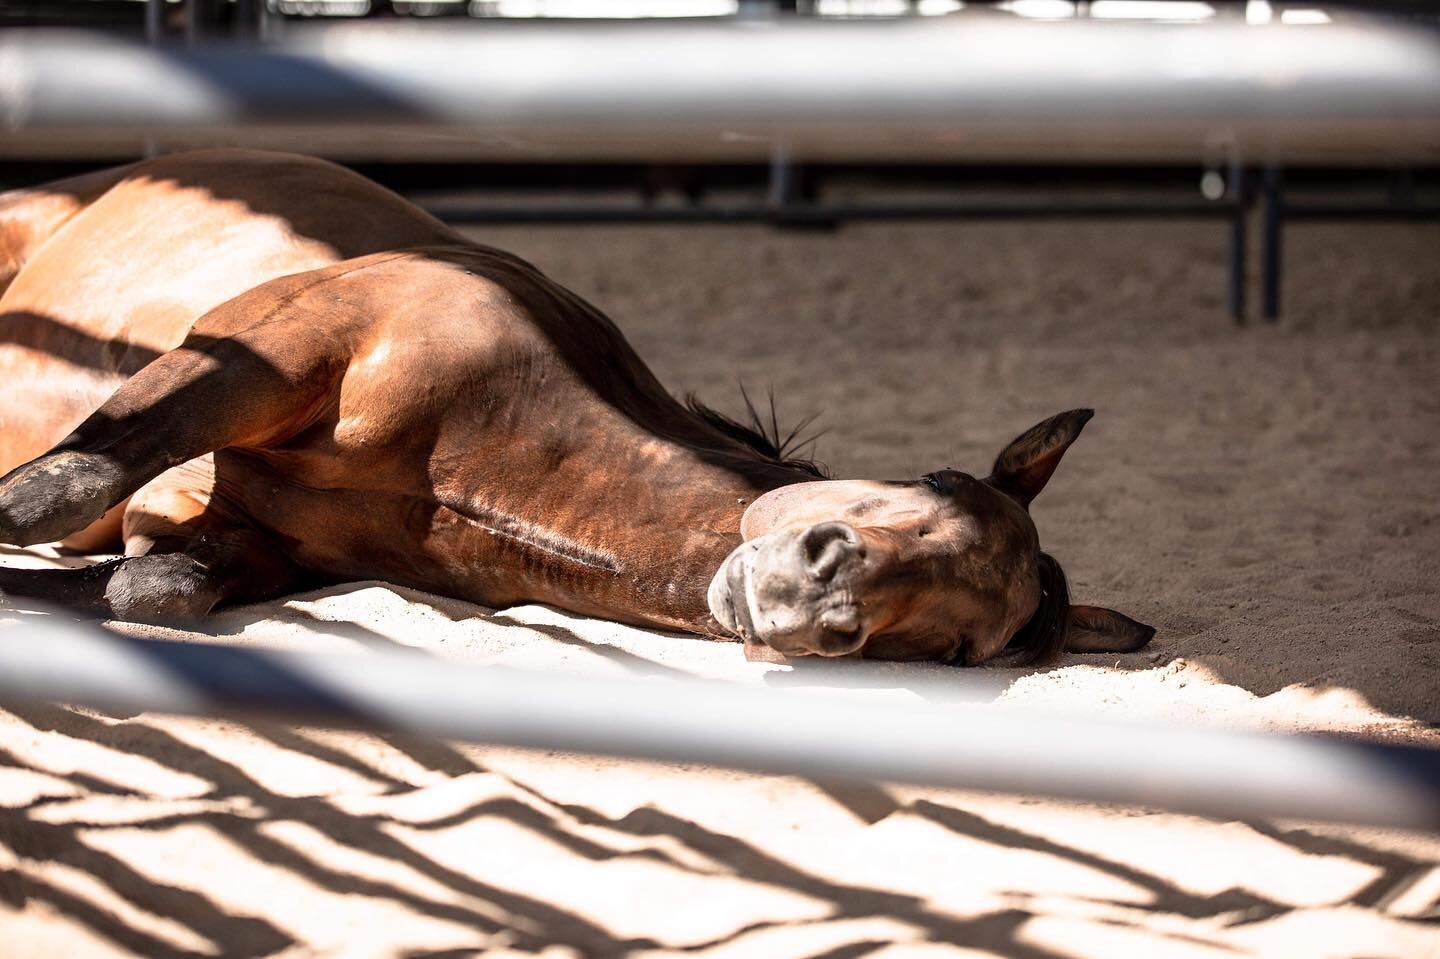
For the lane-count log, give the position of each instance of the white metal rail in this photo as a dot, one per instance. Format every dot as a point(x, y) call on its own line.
point(961, 89)
point(1230, 774)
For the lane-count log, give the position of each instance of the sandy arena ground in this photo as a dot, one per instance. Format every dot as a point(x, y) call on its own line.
point(1266, 497)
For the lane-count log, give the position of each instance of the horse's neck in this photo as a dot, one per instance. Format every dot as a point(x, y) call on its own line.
point(634, 500)
point(630, 527)
point(676, 517)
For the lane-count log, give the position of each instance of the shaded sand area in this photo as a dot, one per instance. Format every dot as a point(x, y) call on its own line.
point(1266, 497)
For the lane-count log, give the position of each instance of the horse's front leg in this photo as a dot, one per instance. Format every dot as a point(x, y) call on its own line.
point(187, 551)
point(165, 588)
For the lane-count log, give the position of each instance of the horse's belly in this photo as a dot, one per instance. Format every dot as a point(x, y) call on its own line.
point(374, 518)
point(340, 521)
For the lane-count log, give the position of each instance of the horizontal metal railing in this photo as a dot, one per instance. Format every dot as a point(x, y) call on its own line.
point(1360, 90)
point(1204, 771)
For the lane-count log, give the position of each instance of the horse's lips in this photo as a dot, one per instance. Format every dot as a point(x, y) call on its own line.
point(726, 595)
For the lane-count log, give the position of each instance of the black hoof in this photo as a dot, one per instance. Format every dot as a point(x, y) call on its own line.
point(61, 493)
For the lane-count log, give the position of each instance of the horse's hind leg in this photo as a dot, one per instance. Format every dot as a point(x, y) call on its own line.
point(58, 494)
point(246, 389)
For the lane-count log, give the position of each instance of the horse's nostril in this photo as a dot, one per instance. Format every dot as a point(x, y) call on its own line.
point(826, 546)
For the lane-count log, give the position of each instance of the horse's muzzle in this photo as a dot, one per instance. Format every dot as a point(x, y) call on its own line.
point(795, 591)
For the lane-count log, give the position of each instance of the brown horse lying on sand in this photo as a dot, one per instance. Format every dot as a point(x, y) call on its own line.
point(283, 374)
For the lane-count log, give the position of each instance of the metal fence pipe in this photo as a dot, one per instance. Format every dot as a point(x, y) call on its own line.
point(955, 89)
point(821, 214)
point(1340, 212)
point(1229, 774)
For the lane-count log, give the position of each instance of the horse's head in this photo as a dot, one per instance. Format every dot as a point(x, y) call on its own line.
point(947, 567)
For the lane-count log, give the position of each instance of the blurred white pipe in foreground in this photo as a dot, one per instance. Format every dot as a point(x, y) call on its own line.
point(1227, 774)
point(959, 88)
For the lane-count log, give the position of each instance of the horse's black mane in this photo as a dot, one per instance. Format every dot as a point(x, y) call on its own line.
point(1042, 639)
point(764, 437)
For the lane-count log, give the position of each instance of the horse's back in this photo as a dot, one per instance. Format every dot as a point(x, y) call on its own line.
point(124, 262)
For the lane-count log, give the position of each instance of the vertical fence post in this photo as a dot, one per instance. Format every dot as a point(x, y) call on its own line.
point(1272, 252)
point(154, 21)
point(1239, 193)
point(247, 19)
point(154, 36)
point(781, 189)
point(201, 17)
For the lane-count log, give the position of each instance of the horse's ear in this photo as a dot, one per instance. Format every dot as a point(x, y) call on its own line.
point(1025, 466)
point(1094, 629)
